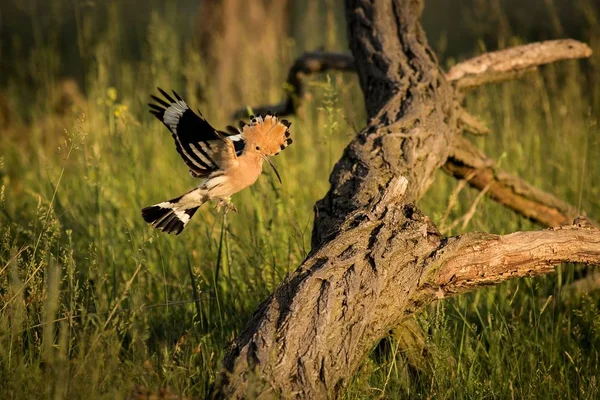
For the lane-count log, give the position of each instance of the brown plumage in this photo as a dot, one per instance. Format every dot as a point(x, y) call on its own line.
point(227, 162)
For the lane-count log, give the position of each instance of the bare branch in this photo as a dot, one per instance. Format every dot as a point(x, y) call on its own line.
point(386, 262)
point(308, 63)
point(468, 162)
point(487, 68)
point(581, 286)
point(472, 124)
point(479, 259)
point(511, 63)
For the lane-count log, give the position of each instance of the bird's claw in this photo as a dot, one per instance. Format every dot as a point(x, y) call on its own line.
point(227, 205)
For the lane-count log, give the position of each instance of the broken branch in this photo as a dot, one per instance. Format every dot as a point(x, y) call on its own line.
point(490, 67)
point(375, 258)
point(471, 124)
point(511, 63)
point(480, 259)
point(468, 162)
point(581, 286)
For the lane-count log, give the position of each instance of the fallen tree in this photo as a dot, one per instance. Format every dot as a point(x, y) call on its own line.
point(375, 258)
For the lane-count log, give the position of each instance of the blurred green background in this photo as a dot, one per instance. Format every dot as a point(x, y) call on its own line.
point(93, 302)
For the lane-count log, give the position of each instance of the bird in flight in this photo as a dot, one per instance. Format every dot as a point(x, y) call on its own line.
point(227, 162)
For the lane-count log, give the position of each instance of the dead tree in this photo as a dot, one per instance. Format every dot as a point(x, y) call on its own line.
point(375, 258)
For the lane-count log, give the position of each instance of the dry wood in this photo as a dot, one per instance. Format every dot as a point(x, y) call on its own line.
point(510, 63)
point(478, 259)
point(487, 68)
point(472, 124)
point(582, 286)
point(513, 192)
point(387, 262)
point(468, 162)
point(375, 258)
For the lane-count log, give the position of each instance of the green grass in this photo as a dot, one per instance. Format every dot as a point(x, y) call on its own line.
point(93, 301)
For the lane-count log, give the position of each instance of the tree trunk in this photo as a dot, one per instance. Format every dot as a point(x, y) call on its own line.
point(375, 258)
point(410, 107)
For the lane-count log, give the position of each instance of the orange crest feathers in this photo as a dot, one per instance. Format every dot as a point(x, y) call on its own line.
point(267, 134)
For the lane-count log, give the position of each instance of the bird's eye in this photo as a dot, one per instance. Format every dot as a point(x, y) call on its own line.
point(257, 148)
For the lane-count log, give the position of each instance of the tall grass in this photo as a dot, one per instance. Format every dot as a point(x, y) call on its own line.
point(94, 302)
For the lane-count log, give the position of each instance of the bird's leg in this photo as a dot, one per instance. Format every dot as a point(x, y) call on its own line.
point(227, 204)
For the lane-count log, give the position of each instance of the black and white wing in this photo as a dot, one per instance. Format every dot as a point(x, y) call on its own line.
point(236, 136)
point(201, 146)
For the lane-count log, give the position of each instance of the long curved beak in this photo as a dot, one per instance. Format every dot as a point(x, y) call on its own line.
point(272, 166)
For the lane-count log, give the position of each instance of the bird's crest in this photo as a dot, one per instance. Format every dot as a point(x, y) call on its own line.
point(267, 134)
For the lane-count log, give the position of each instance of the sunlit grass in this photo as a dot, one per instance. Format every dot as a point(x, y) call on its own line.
point(93, 301)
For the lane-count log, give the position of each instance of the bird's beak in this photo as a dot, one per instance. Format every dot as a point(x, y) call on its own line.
point(272, 166)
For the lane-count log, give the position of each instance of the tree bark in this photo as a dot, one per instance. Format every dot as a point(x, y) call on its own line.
point(506, 64)
point(465, 161)
point(375, 258)
point(410, 106)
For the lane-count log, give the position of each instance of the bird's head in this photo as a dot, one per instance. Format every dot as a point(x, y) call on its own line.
point(267, 136)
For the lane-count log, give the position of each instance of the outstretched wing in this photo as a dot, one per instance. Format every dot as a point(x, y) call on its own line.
point(203, 148)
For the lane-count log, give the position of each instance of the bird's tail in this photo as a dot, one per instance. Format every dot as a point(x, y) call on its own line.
point(173, 215)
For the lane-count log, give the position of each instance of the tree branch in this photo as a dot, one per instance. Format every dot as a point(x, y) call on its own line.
point(471, 124)
point(468, 162)
point(582, 286)
point(410, 106)
point(375, 258)
point(511, 63)
point(307, 63)
point(387, 262)
point(511, 191)
point(478, 259)
point(487, 68)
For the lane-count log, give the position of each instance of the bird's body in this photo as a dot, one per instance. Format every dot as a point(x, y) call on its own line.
point(227, 162)
point(222, 184)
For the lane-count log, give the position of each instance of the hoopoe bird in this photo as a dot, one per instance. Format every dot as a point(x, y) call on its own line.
point(227, 162)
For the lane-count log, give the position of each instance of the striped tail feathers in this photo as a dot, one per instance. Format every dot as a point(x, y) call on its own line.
point(268, 134)
point(167, 219)
point(173, 215)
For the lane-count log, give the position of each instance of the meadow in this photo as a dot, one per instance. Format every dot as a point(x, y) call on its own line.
point(94, 302)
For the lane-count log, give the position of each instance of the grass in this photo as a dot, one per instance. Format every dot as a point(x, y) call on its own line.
point(93, 301)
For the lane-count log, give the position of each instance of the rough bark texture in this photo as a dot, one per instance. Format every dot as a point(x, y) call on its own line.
point(375, 258)
point(387, 261)
point(410, 106)
point(465, 160)
point(478, 259)
point(312, 334)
